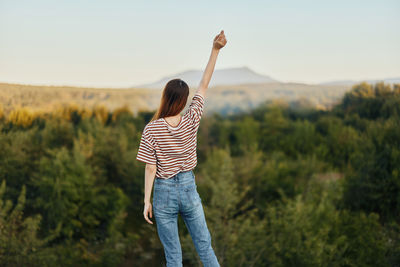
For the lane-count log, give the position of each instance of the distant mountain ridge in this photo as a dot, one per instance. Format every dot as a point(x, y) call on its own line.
point(228, 76)
point(239, 76)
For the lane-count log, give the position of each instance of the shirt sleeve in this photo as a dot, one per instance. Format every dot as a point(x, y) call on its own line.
point(195, 110)
point(146, 152)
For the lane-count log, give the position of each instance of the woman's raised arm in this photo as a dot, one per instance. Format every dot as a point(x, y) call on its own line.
point(218, 42)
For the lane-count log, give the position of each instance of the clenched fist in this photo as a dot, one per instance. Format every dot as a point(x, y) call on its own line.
point(219, 40)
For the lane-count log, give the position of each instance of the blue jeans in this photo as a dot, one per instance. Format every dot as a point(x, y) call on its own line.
point(178, 194)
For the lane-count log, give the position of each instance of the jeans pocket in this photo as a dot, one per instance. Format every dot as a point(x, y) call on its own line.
point(192, 195)
point(160, 198)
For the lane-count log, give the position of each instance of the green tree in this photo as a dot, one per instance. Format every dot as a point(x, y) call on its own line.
point(70, 197)
point(235, 230)
point(19, 241)
point(373, 185)
point(309, 231)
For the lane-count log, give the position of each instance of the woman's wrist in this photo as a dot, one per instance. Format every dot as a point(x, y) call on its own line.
point(215, 50)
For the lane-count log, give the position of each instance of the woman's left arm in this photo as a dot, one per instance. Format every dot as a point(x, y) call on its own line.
point(150, 174)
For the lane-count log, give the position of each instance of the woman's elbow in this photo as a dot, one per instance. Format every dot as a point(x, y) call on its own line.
point(151, 167)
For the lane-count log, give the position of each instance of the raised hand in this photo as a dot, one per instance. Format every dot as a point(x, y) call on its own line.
point(219, 40)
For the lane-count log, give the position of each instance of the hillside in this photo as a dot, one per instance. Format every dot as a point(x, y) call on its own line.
point(225, 99)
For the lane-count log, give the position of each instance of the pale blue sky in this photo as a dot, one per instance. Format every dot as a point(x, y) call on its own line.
point(122, 43)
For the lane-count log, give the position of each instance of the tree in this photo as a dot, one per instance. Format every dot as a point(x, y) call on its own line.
point(309, 231)
point(70, 197)
point(373, 184)
point(19, 241)
point(236, 235)
point(21, 117)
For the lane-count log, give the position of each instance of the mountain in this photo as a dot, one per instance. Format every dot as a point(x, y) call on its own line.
point(228, 76)
point(352, 82)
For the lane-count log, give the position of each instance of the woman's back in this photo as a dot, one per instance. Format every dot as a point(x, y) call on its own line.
point(172, 149)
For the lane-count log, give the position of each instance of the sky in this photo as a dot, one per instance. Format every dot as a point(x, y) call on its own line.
point(124, 43)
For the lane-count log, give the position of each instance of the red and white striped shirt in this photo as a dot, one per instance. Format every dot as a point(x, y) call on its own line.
point(172, 149)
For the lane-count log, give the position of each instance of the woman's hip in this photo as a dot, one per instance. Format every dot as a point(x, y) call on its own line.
point(183, 177)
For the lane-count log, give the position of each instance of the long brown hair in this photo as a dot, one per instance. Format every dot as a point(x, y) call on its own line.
point(173, 99)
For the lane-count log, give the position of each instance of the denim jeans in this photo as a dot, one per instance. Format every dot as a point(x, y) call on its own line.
point(175, 195)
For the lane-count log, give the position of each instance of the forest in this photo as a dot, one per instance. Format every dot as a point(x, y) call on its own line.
point(279, 186)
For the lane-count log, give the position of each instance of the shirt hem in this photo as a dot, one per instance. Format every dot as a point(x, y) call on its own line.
point(176, 173)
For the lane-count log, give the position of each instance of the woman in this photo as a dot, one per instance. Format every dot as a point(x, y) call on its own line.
point(168, 147)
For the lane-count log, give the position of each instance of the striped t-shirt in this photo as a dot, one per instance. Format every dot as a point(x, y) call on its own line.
point(172, 149)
